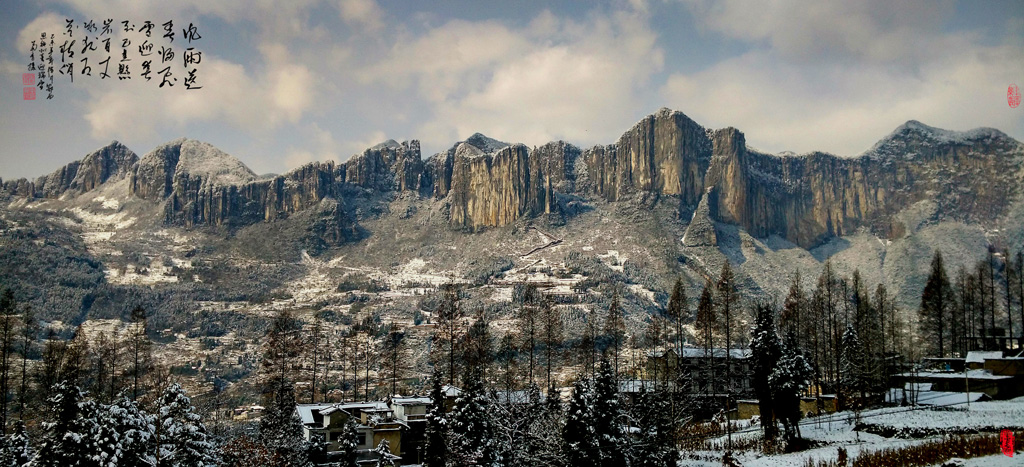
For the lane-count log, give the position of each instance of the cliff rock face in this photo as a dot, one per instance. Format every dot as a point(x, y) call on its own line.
point(971, 176)
point(665, 153)
point(111, 162)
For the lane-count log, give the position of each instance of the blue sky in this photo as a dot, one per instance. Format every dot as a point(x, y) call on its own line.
point(285, 83)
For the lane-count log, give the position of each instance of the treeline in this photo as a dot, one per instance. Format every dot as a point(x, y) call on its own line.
point(969, 312)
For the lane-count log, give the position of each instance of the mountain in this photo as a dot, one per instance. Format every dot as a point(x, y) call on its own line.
point(697, 194)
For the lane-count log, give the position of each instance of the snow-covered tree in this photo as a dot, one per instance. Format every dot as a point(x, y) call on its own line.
point(384, 455)
point(435, 449)
point(471, 437)
point(654, 446)
point(790, 378)
point(183, 439)
point(579, 435)
point(67, 437)
point(123, 433)
point(765, 349)
point(852, 364)
point(15, 449)
point(348, 444)
point(607, 417)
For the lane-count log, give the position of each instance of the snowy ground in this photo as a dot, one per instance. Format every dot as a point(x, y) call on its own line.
point(836, 430)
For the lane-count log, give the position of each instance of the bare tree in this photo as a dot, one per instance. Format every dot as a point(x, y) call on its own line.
point(552, 336)
point(448, 318)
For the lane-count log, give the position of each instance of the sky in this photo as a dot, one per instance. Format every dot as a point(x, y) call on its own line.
point(287, 83)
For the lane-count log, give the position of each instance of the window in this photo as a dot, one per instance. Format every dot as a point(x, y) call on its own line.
point(335, 435)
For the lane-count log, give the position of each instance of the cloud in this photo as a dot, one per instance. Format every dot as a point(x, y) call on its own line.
point(251, 100)
point(872, 30)
point(49, 22)
point(365, 13)
point(846, 109)
point(556, 78)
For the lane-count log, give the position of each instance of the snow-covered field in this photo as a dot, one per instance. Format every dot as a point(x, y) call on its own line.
point(837, 430)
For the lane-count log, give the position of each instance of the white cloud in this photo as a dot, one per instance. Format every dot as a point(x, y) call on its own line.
point(556, 78)
point(251, 100)
point(872, 30)
point(846, 109)
point(365, 13)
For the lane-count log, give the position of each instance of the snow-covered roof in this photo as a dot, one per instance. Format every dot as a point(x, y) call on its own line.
point(978, 356)
point(937, 397)
point(305, 411)
point(971, 374)
point(410, 400)
point(450, 391)
point(698, 352)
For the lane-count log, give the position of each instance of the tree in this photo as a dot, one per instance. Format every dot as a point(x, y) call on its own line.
point(183, 439)
point(435, 450)
point(551, 319)
point(29, 332)
point(7, 336)
point(705, 325)
point(472, 434)
point(727, 298)
point(789, 379)
point(448, 318)
point(140, 348)
point(936, 302)
point(528, 324)
point(606, 415)
point(794, 308)
point(67, 438)
point(123, 432)
point(16, 450)
point(678, 313)
point(852, 370)
point(280, 430)
point(479, 344)
point(579, 434)
point(396, 361)
point(348, 444)
point(384, 456)
point(316, 339)
point(765, 349)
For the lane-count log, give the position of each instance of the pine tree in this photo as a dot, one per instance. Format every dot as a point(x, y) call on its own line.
point(183, 439)
point(551, 333)
point(678, 313)
point(788, 380)
point(727, 298)
point(435, 449)
point(579, 434)
point(852, 368)
point(606, 415)
point(384, 456)
point(280, 430)
point(348, 444)
point(471, 435)
point(936, 302)
point(765, 349)
point(124, 433)
point(654, 446)
point(140, 348)
point(528, 324)
point(67, 438)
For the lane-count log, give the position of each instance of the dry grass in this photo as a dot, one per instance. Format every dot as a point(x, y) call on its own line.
point(924, 454)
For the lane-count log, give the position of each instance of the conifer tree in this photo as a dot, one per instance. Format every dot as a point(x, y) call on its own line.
point(472, 434)
point(579, 434)
point(606, 416)
point(765, 349)
point(937, 300)
point(15, 450)
point(183, 438)
point(789, 379)
point(348, 444)
point(435, 449)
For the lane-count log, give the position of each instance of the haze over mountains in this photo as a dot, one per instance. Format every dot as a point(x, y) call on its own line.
point(679, 197)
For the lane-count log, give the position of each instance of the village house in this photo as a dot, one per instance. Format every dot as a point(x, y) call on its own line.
point(703, 371)
point(375, 421)
point(992, 373)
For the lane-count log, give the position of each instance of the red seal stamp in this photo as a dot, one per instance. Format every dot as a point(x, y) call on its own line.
point(1006, 436)
point(1013, 96)
point(29, 93)
point(28, 79)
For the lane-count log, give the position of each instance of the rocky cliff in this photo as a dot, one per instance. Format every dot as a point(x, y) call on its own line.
point(666, 157)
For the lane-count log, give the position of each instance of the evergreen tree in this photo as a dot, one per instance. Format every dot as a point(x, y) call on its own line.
point(448, 318)
point(607, 418)
point(852, 368)
point(705, 325)
point(727, 298)
point(654, 446)
point(765, 349)
point(529, 327)
point(435, 449)
point(472, 435)
point(67, 438)
point(614, 330)
point(183, 439)
point(937, 300)
point(15, 449)
point(123, 433)
point(348, 444)
point(140, 348)
point(788, 380)
point(551, 334)
point(384, 456)
point(579, 434)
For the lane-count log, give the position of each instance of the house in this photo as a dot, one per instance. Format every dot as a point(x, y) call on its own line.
point(703, 369)
point(747, 408)
point(412, 411)
point(988, 372)
point(375, 421)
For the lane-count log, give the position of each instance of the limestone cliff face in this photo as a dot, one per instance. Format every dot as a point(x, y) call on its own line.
point(111, 162)
point(806, 199)
point(665, 153)
point(489, 189)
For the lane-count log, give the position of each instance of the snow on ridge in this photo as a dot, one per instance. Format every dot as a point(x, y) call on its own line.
point(216, 166)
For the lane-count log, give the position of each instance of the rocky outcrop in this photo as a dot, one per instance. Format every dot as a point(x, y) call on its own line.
point(111, 162)
point(489, 189)
point(701, 230)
